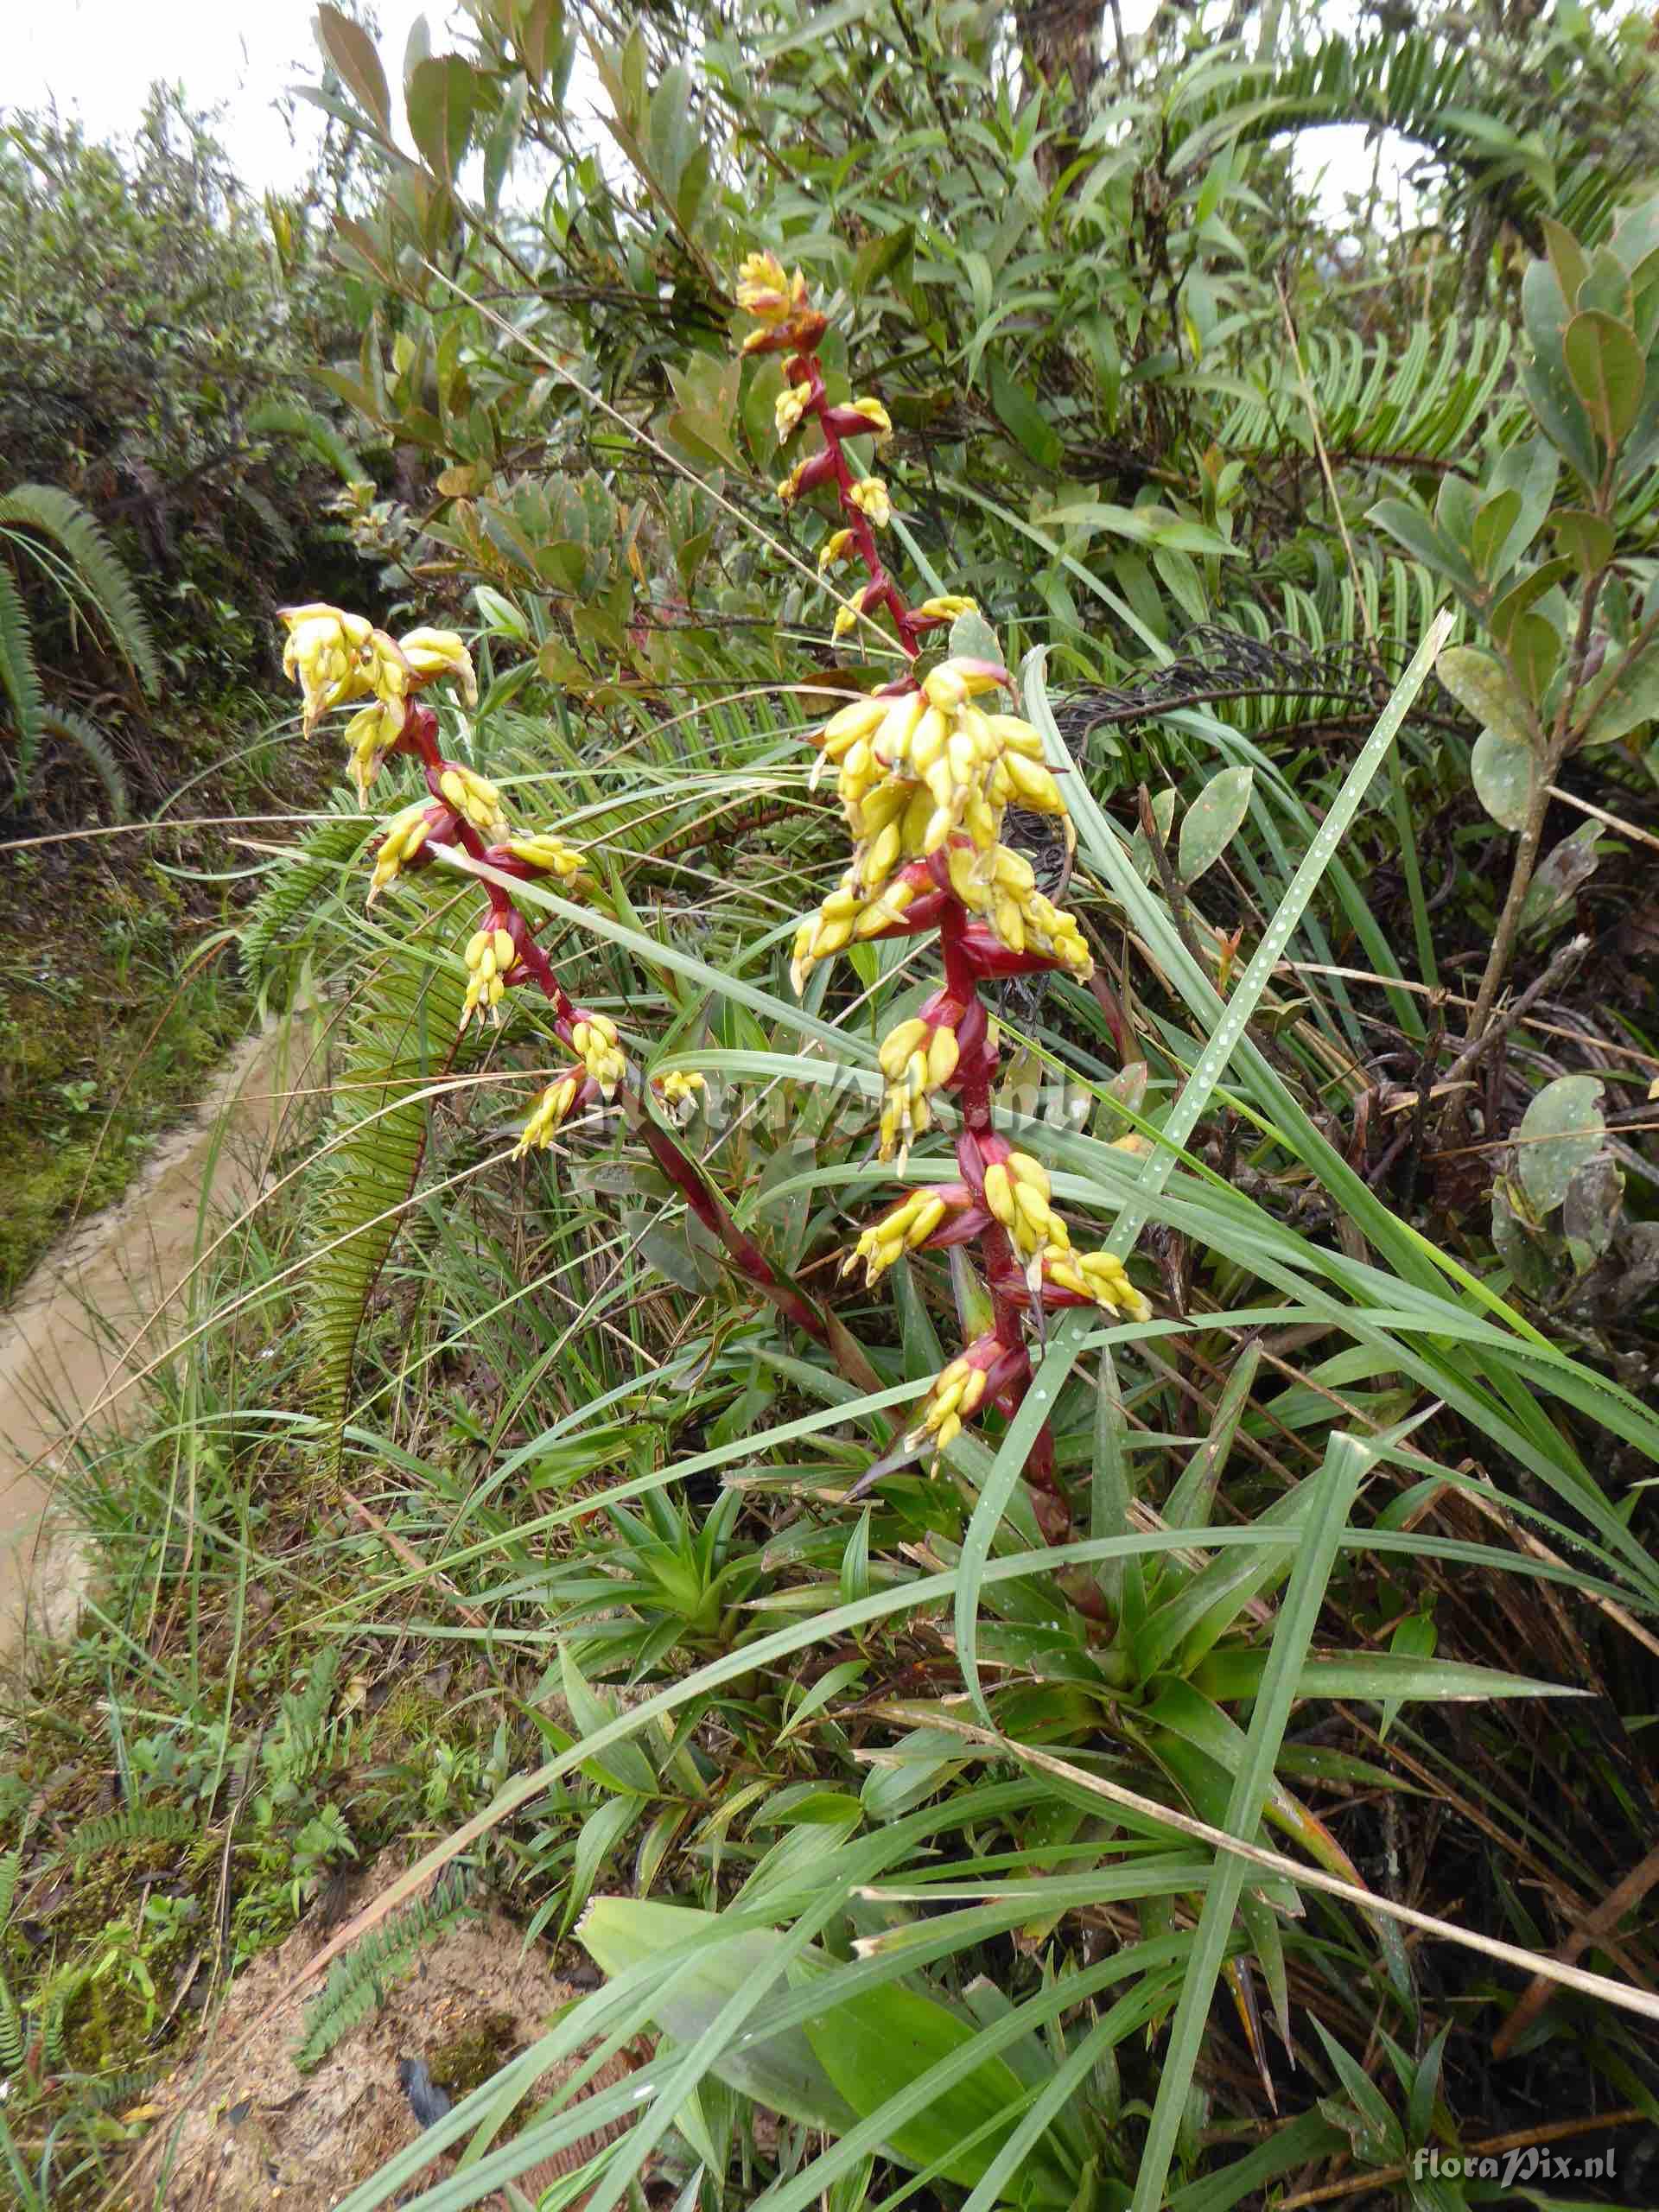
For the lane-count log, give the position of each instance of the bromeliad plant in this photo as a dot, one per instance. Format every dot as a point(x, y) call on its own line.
point(926, 769)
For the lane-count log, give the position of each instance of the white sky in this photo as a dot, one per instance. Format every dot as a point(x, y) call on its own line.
point(98, 58)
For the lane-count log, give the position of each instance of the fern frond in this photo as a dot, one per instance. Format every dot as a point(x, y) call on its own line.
point(11, 2030)
point(293, 1748)
point(402, 1036)
point(20, 679)
point(300, 892)
point(1407, 412)
point(1490, 134)
point(358, 1983)
point(134, 1824)
point(289, 418)
point(56, 514)
point(76, 730)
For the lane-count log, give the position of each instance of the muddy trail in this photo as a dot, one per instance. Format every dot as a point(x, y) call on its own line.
point(107, 1300)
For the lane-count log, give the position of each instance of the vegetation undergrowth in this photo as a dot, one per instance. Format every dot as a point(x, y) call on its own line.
point(1140, 1692)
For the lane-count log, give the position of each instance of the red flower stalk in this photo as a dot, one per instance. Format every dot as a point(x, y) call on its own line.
point(925, 773)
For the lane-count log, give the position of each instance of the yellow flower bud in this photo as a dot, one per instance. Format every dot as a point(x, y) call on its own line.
point(875, 415)
point(835, 547)
point(679, 1092)
point(1034, 786)
point(370, 735)
point(854, 720)
point(1018, 736)
point(846, 615)
point(999, 1192)
point(893, 737)
point(787, 411)
point(948, 606)
point(897, 1047)
point(931, 733)
point(942, 1053)
point(882, 857)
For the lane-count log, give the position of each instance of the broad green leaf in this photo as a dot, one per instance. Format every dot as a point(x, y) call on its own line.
point(1608, 372)
point(1558, 876)
point(1212, 821)
point(1523, 594)
point(1479, 682)
point(1560, 412)
point(350, 49)
point(1524, 1248)
point(781, 2069)
point(441, 97)
point(877, 255)
point(1588, 539)
point(1625, 699)
point(873, 2044)
point(973, 639)
point(1559, 1133)
point(1504, 773)
point(1496, 517)
point(1534, 647)
point(1567, 257)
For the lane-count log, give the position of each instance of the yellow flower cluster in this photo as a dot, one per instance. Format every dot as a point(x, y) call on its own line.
point(549, 1112)
point(546, 853)
point(490, 955)
point(870, 496)
point(916, 1058)
point(905, 1229)
point(1100, 1276)
point(876, 415)
point(846, 914)
point(404, 835)
point(1006, 893)
point(336, 657)
point(787, 411)
point(679, 1091)
point(765, 292)
point(912, 773)
point(595, 1040)
point(474, 797)
point(954, 1398)
point(837, 546)
point(1017, 1191)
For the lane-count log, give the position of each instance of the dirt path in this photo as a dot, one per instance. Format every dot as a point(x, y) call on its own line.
point(61, 1344)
